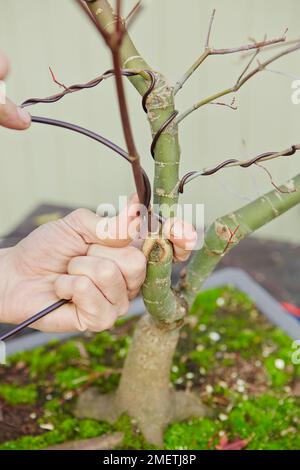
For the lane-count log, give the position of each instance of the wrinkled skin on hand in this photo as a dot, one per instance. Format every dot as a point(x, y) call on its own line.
point(72, 259)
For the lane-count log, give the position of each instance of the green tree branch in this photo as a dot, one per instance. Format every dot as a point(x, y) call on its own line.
point(130, 58)
point(227, 231)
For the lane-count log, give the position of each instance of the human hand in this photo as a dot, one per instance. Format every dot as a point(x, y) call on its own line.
point(56, 262)
point(11, 116)
point(72, 259)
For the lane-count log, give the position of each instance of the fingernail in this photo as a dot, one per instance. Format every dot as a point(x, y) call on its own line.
point(24, 116)
point(134, 209)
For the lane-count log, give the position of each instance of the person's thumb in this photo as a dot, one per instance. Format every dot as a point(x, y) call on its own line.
point(11, 116)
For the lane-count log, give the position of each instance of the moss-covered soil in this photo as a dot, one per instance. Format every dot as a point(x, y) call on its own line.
point(229, 354)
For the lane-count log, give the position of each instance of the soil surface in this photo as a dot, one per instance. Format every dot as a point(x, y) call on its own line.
point(16, 421)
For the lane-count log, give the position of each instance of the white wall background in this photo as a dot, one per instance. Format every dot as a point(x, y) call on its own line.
point(51, 165)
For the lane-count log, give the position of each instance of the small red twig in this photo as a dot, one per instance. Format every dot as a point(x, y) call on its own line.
point(231, 240)
point(231, 105)
point(56, 81)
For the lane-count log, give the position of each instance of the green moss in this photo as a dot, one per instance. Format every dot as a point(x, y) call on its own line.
point(44, 360)
point(192, 435)
point(70, 378)
point(88, 428)
point(225, 328)
point(132, 436)
point(270, 423)
point(18, 395)
point(68, 428)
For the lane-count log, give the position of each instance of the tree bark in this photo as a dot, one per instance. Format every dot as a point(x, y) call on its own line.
point(145, 392)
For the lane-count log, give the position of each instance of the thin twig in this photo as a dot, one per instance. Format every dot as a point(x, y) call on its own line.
point(105, 34)
point(247, 47)
point(239, 83)
point(288, 191)
point(119, 29)
point(133, 13)
point(208, 51)
point(231, 239)
point(273, 46)
point(248, 65)
point(56, 81)
point(227, 105)
point(209, 28)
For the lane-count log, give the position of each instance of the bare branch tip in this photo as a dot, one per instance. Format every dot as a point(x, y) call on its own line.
point(54, 79)
point(134, 12)
point(210, 28)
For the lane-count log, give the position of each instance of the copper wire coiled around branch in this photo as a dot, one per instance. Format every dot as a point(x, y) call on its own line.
point(160, 131)
point(150, 89)
point(74, 88)
point(261, 157)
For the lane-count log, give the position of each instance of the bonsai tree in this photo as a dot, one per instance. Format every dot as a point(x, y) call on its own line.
point(144, 391)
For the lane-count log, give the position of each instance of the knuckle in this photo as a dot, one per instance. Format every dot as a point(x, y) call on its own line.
point(108, 270)
point(93, 250)
point(73, 264)
point(82, 285)
point(137, 262)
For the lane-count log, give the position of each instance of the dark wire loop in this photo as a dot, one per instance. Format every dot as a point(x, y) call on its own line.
point(160, 131)
point(195, 174)
point(166, 123)
point(150, 89)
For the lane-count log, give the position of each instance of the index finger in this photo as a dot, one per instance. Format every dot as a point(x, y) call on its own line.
point(116, 231)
